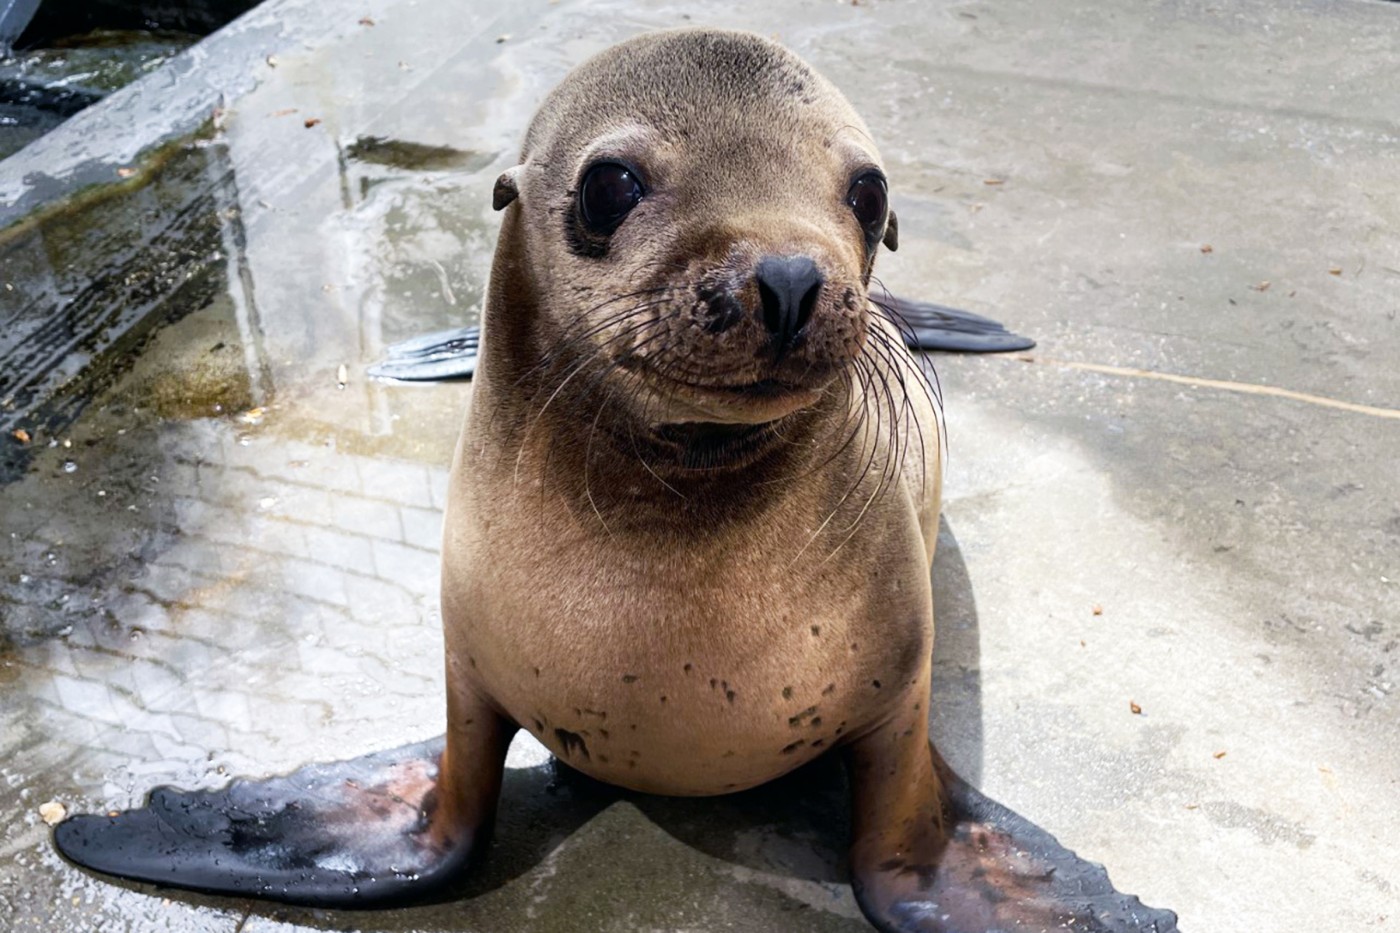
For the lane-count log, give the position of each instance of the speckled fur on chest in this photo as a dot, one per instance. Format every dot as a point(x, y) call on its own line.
point(693, 686)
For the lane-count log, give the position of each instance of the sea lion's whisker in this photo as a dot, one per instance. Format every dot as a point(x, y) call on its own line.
point(572, 335)
point(581, 365)
point(871, 434)
point(599, 378)
point(935, 385)
point(550, 359)
point(874, 495)
point(858, 369)
point(850, 420)
point(898, 360)
point(598, 349)
point(608, 372)
point(587, 457)
point(902, 361)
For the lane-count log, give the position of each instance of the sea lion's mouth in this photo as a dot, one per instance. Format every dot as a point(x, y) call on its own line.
point(763, 388)
point(739, 403)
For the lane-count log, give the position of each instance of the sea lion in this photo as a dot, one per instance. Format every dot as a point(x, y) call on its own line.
point(690, 522)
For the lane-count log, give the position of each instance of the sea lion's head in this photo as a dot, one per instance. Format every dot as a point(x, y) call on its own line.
point(700, 211)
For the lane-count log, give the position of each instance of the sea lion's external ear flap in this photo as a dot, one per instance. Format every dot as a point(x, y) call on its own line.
point(891, 240)
point(505, 191)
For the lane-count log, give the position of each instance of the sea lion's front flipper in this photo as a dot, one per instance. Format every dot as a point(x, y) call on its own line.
point(435, 357)
point(928, 326)
point(932, 855)
point(369, 832)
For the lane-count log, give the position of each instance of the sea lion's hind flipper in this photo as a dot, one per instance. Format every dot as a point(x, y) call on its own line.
point(446, 354)
point(996, 855)
point(349, 834)
point(928, 326)
point(932, 855)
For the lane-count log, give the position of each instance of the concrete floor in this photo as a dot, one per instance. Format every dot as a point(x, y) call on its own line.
point(1194, 208)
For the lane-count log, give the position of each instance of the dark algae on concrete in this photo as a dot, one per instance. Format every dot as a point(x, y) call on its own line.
point(85, 283)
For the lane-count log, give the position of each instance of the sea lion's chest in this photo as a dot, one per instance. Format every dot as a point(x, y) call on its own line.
point(693, 665)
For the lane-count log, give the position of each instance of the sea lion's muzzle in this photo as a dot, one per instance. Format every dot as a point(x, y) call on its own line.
point(743, 331)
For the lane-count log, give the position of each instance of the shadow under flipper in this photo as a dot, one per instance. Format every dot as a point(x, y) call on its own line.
point(346, 834)
point(997, 872)
point(540, 808)
point(796, 826)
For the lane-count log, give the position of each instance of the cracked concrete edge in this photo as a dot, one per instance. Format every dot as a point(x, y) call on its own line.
point(173, 101)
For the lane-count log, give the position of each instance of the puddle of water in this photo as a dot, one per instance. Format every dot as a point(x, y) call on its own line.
point(188, 417)
point(376, 150)
point(55, 19)
point(20, 125)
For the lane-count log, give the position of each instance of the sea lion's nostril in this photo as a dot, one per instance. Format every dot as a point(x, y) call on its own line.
point(788, 287)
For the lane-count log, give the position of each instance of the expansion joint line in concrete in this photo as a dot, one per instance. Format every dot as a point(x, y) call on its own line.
point(1248, 388)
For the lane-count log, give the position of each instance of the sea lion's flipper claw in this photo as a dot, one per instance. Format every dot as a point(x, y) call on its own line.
point(445, 354)
point(933, 855)
point(349, 834)
point(928, 326)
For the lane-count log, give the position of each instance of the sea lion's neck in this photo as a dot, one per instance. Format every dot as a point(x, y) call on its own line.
point(558, 423)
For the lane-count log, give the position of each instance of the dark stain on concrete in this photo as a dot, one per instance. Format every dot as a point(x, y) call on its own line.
point(1267, 827)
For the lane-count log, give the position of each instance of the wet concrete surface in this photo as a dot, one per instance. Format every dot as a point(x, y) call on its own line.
point(219, 553)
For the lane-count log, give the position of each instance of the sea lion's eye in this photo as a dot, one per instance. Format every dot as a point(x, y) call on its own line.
point(869, 202)
point(607, 195)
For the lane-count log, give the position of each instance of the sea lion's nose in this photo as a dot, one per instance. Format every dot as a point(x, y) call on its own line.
point(788, 287)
